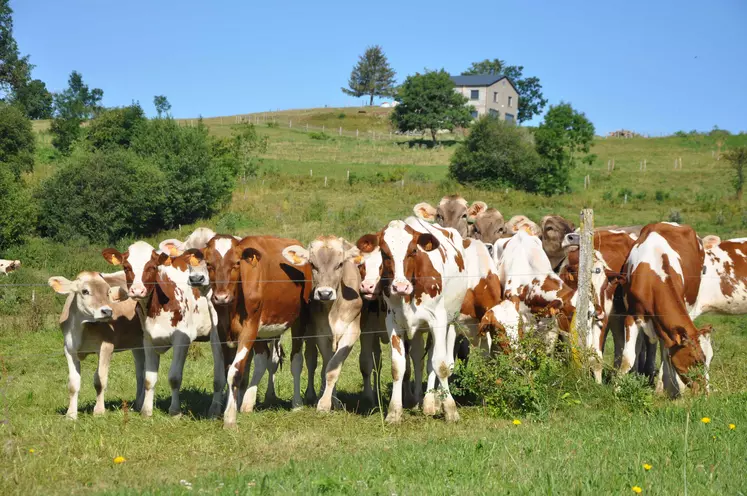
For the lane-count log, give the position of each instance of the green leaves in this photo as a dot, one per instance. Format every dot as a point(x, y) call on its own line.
point(17, 142)
point(371, 76)
point(428, 102)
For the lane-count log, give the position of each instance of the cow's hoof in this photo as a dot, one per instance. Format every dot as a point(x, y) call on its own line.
point(175, 413)
point(72, 416)
point(450, 410)
point(147, 413)
point(394, 416)
point(99, 411)
point(310, 398)
point(230, 425)
point(324, 406)
point(246, 408)
point(215, 410)
point(429, 405)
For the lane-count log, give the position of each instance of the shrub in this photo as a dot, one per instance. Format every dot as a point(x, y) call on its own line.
point(199, 179)
point(17, 210)
point(661, 196)
point(675, 216)
point(320, 136)
point(341, 115)
point(115, 127)
point(246, 145)
point(738, 160)
point(316, 210)
point(633, 392)
point(607, 196)
point(17, 144)
point(498, 154)
point(273, 124)
point(65, 132)
point(103, 196)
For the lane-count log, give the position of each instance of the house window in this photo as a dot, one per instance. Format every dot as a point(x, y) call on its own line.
point(495, 97)
point(509, 117)
point(510, 101)
point(474, 114)
point(493, 113)
point(474, 94)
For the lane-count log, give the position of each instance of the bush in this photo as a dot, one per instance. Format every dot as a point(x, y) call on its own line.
point(17, 144)
point(65, 132)
point(320, 136)
point(17, 210)
point(115, 127)
point(497, 154)
point(675, 216)
point(245, 146)
point(103, 196)
point(273, 125)
point(200, 180)
point(661, 195)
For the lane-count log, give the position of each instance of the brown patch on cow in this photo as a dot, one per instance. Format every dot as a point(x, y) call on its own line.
point(466, 242)
point(427, 278)
point(484, 296)
point(396, 343)
point(459, 259)
point(445, 232)
point(727, 280)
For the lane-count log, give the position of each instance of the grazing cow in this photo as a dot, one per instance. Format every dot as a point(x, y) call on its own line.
point(453, 211)
point(723, 288)
point(489, 227)
point(554, 228)
point(516, 223)
point(8, 266)
point(336, 304)
point(93, 323)
point(175, 310)
point(663, 277)
point(260, 296)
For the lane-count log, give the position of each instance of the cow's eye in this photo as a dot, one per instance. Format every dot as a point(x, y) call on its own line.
point(313, 267)
point(339, 266)
point(85, 292)
point(464, 216)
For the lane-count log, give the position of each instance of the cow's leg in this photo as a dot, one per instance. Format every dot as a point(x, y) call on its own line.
point(272, 368)
point(597, 346)
point(673, 385)
point(101, 376)
point(344, 346)
point(152, 361)
point(219, 374)
point(73, 383)
point(324, 344)
point(616, 324)
point(408, 385)
point(417, 354)
point(297, 341)
point(235, 374)
point(180, 343)
point(366, 362)
point(649, 344)
point(630, 345)
point(441, 361)
point(261, 357)
point(396, 339)
point(310, 355)
point(138, 354)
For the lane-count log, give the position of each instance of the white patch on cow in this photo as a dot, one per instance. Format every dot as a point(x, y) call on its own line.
point(652, 252)
point(268, 331)
point(737, 240)
point(671, 223)
point(222, 246)
point(398, 239)
point(140, 254)
point(739, 252)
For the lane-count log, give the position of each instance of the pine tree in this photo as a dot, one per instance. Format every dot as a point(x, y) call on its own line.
point(371, 76)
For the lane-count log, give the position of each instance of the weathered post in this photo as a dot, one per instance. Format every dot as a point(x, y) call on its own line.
point(340, 130)
point(580, 331)
point(311, 173)
point(325, 181)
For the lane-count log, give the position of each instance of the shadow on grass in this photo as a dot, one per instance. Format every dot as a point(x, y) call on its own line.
point(426, 143)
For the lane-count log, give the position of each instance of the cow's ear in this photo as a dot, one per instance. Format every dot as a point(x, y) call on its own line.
point(710, 241)
point(425, 211)
point(173, 247)
point(164, 259)
point(117, 294)
point(194, 256)
point(251, 255)
point(476, 209)
point(354, 255)
point(296, 255)
point(368, 243)
point(62, 286)
point(706, 330)
point(112, 256)
point(617, 279)
point(428, 242)
point(680, 335)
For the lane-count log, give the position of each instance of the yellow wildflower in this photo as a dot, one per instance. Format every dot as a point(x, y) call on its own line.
point(732, 427)
point(32, 451)
point(517, 422)
point(119, 459)
point(647, 467)
point(637, 489)
point(706, 420)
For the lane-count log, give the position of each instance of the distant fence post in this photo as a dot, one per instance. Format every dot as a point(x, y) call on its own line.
point(580, 331)
point(325, 181)
point(290, 123)
point(322, 128)
point(311, 173)
point(307, 127)
point(340, 130)
point(356, 134)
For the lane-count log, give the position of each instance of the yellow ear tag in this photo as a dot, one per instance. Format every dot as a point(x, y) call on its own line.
point(194, 261)
point(253, 260)
point(358, 260)
point(56, 286)
point(296, 259)
point(173, 251)
point(116, 260)
point(553, 311)
point(167, 263)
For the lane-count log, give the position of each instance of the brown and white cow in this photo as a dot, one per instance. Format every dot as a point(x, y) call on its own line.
point(518, 222)
point(93, 322)
point(663, 273)
point(335, 306)
point(261, 296)
point(175, 310)
point(453, 211)
point(8, 266)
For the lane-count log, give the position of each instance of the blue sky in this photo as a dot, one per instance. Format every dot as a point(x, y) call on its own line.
point(651, 66)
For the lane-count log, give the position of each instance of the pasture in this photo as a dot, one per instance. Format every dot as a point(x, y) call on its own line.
point(590, 440)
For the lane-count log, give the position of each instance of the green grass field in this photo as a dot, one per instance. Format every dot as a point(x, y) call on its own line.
point(595, 444)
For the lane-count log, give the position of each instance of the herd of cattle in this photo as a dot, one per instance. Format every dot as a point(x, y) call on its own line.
point(451, 278)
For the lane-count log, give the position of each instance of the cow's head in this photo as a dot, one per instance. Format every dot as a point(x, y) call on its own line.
point(400, 247)
point(7, 266)
point(489, 226)
point(688, 352)
point(92, 295)
point(453, 211)
point(518, 223)
point(140, 263)
point(326, 255)
point(223, 260)
point(554, 229)
point(372, 267)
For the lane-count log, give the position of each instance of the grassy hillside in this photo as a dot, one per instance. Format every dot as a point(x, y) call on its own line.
point(590, 441)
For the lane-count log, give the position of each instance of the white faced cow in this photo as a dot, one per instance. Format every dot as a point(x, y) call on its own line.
point(8, 266)
point(94, 323)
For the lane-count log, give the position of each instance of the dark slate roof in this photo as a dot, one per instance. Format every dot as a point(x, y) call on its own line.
point(477, 79)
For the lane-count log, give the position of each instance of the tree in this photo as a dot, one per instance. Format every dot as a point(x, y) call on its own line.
point(17, 210)
point(428, 101)
point(559, 138)
point(72, 106)
point(737, 157)
point(15, 70)
point(34, 99)
point(163, 107)
point(17, 143)
point(371, 76)
point(498, 154)
point(531, 99)
point(115, 127)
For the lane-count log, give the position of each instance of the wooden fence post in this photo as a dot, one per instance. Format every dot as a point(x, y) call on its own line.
point(325, 181)
point(311, 173)
point(290, 123)
point(340, 130)
point(580, 330)
point(356, 134)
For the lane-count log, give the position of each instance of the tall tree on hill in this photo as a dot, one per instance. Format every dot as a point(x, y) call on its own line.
point(531, 100)
point(428, 102)
point(35, 100)
point(15, 71)
point(72, 106)
point(371, 76)
point(163, 107)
